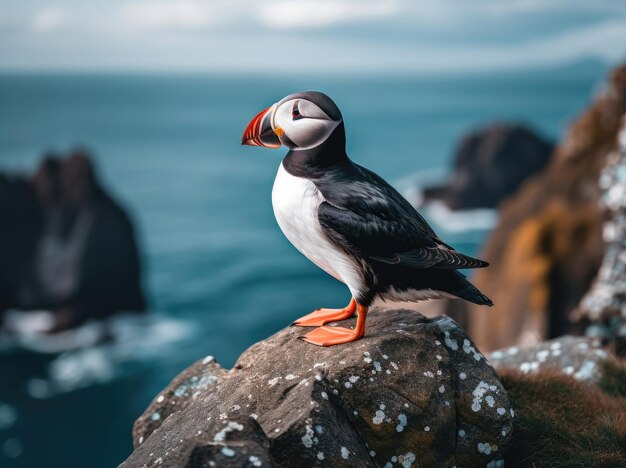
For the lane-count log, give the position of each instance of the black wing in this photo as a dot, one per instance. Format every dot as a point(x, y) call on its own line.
point(364, 214)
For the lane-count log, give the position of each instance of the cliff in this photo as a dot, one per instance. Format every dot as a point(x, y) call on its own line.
point(547, 246)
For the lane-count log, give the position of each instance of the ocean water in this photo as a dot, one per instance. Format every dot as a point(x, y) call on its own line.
point(218, 272)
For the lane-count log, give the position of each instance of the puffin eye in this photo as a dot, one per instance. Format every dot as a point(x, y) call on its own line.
point(295, 112)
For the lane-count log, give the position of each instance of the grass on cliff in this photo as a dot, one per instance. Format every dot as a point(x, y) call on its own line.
point(562, 422)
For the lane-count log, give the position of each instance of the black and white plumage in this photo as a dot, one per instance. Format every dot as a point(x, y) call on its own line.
point(348, 220)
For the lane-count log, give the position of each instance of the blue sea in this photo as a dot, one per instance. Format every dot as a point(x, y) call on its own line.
point(218, 272)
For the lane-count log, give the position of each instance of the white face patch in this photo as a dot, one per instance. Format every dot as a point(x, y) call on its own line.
point(304, 123)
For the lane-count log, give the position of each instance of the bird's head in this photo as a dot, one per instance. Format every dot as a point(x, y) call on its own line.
point(299, 121)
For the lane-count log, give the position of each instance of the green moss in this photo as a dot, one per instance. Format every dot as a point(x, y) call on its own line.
point(560, 421)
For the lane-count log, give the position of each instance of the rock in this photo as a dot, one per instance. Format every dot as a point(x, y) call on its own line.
point(491, 164)
point(413, 392)
point(602, 310)
point(69, 247)
point(582, 358)
point(547, 246)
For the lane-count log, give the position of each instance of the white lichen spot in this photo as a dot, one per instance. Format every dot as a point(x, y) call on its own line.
point(484, 448)
point(155, 416)
point(438, 357)
point(379, 417)
point(230, 427)
point(228, 452)
point(372, 453)
point(479, 393)
point(402, 422)
point(426, 428)
point(569, 370)
point(377, 366)
point(385, 356)
point(501, 411)
point(335, 391)
point(354, 378)
point(439, 372)
point(490, 401)
point(347, 385)
point(496, 464)
point(586, 371)
point(345, 453)
point(307, 438)
point(324, 395)
point(320, 455)
point(256, 461)
point(461, 433)
point(408, 459)
point(429, 374)
point(318, 377)
point(394, 459)
point(141, 440)
point(388, 371)
point(319, 429)
point(254, 416)
point(450, 342)
point(235, 408)
point(208, 359)
point(160, 399)
point(290, 377)
point(394, 365)
point(442, 389)
point(273, 381)
point(543, 355)
point(438, 343)
point(462, 376)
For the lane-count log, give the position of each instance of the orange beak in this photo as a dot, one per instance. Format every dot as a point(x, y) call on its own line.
point(259, 131)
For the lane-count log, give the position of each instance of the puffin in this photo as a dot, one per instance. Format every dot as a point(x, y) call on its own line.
point(350, 222)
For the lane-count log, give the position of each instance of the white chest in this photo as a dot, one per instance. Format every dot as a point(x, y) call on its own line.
point(295, 201)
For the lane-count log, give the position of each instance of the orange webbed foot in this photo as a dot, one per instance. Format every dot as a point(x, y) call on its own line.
point(323, 316)
point(330, 336)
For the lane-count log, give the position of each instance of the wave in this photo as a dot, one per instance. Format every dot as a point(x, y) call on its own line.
point(94, 353)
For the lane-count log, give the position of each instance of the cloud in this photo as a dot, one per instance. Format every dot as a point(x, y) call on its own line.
point(285, 14)
point(169, 14)
point(308, 35)
point(50, 19)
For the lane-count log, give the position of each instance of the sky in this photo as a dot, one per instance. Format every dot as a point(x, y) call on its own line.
point(324, 36)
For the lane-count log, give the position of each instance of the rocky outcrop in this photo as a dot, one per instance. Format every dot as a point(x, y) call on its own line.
point(547, 247)
point(582, 358)
point(491, 164)
point(66, 245)
point(413, 392)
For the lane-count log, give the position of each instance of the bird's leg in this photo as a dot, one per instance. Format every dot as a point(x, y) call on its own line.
point(321, 317)
point(329, 336)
